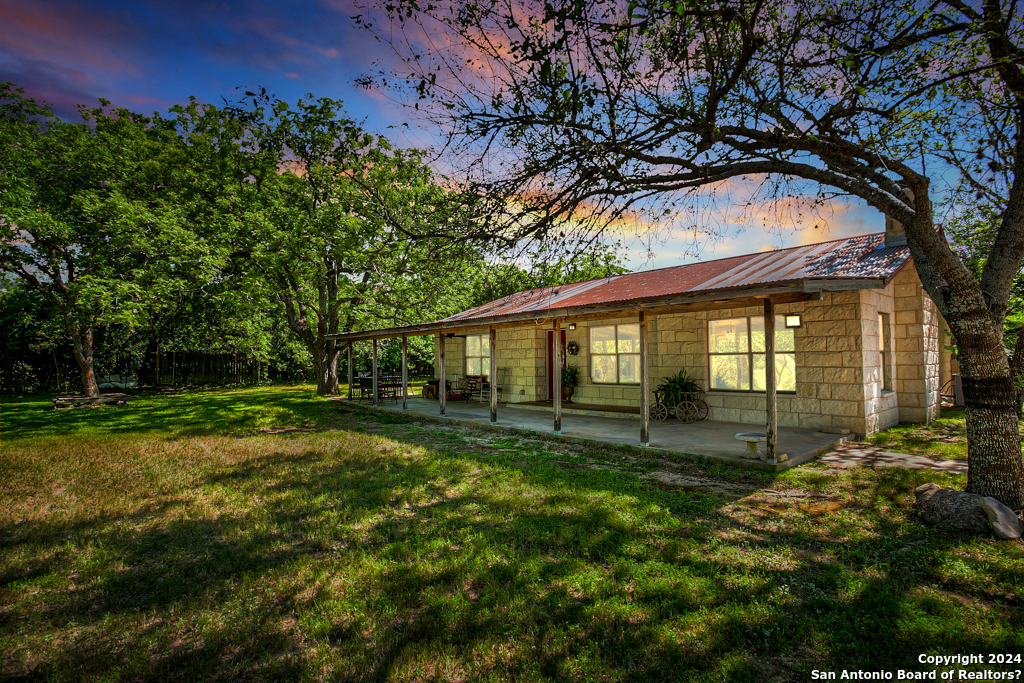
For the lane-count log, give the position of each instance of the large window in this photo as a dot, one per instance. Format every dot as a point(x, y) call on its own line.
point(615, 354)
point(478, 355)
point(736, 354)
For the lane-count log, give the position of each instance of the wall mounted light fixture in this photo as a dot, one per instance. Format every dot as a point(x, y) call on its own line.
point(572, 326)
point(793, 321)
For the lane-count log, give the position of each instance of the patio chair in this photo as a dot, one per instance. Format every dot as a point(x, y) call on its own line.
point(365, 388)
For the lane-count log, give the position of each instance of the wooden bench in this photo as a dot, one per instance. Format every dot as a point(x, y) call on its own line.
point(68, 402)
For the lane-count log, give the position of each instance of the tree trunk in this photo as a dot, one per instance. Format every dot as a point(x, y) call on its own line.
point(148, 370)
point(993, 446)
point(994, 460)
point(82, 345)
point(325, 367)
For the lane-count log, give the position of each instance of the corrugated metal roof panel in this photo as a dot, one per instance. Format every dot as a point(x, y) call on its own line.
point(855, 257)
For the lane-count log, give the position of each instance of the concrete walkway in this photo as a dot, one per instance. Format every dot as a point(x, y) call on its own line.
point(864, 455)
point(707, 440)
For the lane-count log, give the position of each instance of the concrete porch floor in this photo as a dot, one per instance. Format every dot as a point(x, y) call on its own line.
point(714, 441)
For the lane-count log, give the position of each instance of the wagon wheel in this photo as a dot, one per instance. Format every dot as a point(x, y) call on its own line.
point(659, 411)
point(687, 411)
point(702, 409)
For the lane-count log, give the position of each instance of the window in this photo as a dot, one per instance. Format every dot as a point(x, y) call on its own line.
point(478, 355)
point(884, 342)
point(615, 354)
point(736, 354)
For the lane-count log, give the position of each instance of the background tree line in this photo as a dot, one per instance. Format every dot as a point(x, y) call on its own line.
point(255, 228)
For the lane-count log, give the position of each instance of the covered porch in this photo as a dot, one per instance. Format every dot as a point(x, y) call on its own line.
point(707, 440)
point(716, 439)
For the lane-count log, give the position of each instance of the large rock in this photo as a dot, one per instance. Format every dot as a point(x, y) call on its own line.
point(1005, 524)
point(950, 509)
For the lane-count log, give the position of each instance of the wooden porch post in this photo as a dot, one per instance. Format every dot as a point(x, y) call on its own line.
point(556, 381)
point(375, 390)
point(645, 386)
point(769, 381)
point(441, 393)
point(405, 372)
point(492, 336)
point(351, 372)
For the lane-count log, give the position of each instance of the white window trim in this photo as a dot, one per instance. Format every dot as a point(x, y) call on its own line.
point(750, 353)
point(481, 357)
point(591, 355)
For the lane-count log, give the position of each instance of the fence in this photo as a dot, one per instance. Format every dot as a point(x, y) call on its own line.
point(183, 368)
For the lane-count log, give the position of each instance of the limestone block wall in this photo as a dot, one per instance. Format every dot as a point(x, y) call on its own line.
point(454, 359)
point(521, 361)
point(588, 391)
point(522, 358)
point(830, 369)
point(834, 371)
point(881, 405)
point(916, 349)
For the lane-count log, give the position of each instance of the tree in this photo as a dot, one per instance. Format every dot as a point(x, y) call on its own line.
point(346, 230)
point(600, 107)
point(90, 217)
point(548, 267)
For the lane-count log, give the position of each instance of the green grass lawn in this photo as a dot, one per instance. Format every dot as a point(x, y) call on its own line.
point(945, 437)
point(269, 535)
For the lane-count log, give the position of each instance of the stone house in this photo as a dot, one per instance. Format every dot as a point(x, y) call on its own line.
point(858, 342)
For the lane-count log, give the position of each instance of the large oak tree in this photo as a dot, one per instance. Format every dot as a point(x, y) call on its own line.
point(597, 107)
point(93, 216)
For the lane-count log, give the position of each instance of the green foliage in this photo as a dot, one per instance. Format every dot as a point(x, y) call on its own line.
point(570, 376)
point(94, 216)
point(549, 265)
point(675, 386)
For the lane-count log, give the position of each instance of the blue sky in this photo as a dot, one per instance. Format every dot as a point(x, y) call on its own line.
point(150, 55)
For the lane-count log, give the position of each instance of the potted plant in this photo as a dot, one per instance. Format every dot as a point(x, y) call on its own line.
point(677, 387)
point(570, 380)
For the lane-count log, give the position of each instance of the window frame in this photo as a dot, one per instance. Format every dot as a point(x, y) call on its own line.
point(483, 356)
point(591, 356)
point(750, 354)
point(885, 354)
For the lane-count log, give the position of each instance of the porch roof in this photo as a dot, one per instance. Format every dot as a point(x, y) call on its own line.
point(793, 274)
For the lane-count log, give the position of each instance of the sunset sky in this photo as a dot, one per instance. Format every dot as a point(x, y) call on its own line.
point(148, 55)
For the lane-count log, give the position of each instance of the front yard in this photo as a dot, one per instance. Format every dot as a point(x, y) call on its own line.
point(269, 535)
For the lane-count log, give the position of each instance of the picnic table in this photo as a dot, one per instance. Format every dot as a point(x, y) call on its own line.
point(69, 402)
point(388, 386)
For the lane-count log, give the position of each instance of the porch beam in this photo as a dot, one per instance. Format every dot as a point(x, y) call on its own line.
point(405, 372)
point(492, 337)
point(556, 371)
point(771, 406)
point(375, 391)
point(645, 386)
point(351, 373)
point(442, 386)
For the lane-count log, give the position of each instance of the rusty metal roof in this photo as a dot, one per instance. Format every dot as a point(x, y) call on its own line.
point(851, 258)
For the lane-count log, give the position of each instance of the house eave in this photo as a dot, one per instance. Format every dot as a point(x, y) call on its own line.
point(782, 292)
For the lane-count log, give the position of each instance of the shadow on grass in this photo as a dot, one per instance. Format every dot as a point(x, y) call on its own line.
point(481, 563)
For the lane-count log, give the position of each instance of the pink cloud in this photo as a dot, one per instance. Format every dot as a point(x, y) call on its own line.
point(66, 34)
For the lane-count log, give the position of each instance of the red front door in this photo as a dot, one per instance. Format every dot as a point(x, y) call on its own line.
point(551, 363)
